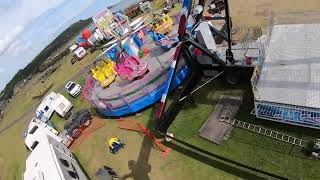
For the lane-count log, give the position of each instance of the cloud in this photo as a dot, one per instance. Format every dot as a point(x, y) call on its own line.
point(18, 47)
point(16, 15)
point(9, 37)
point(28, 26)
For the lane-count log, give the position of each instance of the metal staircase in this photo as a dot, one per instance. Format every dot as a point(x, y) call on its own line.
point(264, 131)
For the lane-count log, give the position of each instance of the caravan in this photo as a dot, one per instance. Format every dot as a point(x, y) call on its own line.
point(51, 160)
point(53, 102)
point(36, 132)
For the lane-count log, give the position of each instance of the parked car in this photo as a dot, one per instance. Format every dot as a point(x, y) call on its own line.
point(79, 121)
point(73, 88)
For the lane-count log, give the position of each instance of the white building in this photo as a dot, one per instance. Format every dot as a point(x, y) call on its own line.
point(98, 34)
point(51, 160)
point(53, 102)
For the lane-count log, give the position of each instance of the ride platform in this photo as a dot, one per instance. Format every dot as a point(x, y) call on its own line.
point(125, 97)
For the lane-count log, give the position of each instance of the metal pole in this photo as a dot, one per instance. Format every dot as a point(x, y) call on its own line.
point(229, 54)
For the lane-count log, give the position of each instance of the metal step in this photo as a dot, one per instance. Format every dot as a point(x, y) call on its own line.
point(266, 132)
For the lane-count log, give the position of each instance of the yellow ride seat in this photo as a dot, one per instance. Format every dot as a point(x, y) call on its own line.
point(108, 64)
point(108, 70)
point(99, 76)
point(165, 26)
point(110, 77)
point(113, 140)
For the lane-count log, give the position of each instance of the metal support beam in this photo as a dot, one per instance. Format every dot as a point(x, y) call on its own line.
point(229, 54)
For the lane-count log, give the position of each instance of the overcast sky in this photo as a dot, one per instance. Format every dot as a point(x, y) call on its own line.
point(27, 26)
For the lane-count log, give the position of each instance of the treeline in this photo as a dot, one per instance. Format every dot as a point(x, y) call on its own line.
point(34, 66)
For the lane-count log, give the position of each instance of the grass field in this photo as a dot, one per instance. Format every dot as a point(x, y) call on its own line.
point(139, 160)
point(13, 152)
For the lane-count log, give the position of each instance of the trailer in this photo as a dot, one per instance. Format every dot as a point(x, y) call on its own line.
point(51, 160)
point(54, 102)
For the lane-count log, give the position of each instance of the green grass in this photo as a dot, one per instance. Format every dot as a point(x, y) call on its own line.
point(12, 152)
point(78, 103)
point(244, 147)
point(158, 4)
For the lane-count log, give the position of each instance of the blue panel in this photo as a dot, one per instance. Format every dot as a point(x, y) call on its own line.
point(145, 101)
point(306, 117)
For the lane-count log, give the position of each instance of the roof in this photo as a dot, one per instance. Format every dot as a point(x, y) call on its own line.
point(37, 130)
point(291, 69)
point(51, 160)
point(45, 166)
point(48, 100)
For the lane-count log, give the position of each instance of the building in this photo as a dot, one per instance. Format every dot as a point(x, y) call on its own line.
point(53, 102)
point(51, 160)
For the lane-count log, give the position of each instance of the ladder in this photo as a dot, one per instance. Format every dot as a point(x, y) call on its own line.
point(266, 132)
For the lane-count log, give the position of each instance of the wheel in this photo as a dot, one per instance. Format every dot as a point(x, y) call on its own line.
point(233, 77)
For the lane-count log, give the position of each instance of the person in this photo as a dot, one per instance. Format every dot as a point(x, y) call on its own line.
point(114, 145)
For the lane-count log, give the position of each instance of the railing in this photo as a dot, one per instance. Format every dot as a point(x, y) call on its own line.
point(266, 132)
point(303, 116)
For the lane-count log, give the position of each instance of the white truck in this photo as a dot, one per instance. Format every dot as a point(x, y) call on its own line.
point(78, 52)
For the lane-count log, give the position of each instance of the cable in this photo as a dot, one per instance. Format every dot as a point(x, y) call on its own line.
point(201, 86)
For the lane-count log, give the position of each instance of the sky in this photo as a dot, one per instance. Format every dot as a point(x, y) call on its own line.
point(27, 26)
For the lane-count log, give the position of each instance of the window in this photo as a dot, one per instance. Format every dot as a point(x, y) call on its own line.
point(71, 86)
point(34, 145)
point(33, 129)
point(46, 108)
point(73, 174)
point(64, 162)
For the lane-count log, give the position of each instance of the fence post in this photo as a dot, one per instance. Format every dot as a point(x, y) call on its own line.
point(159, 62)
point(124, 100)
